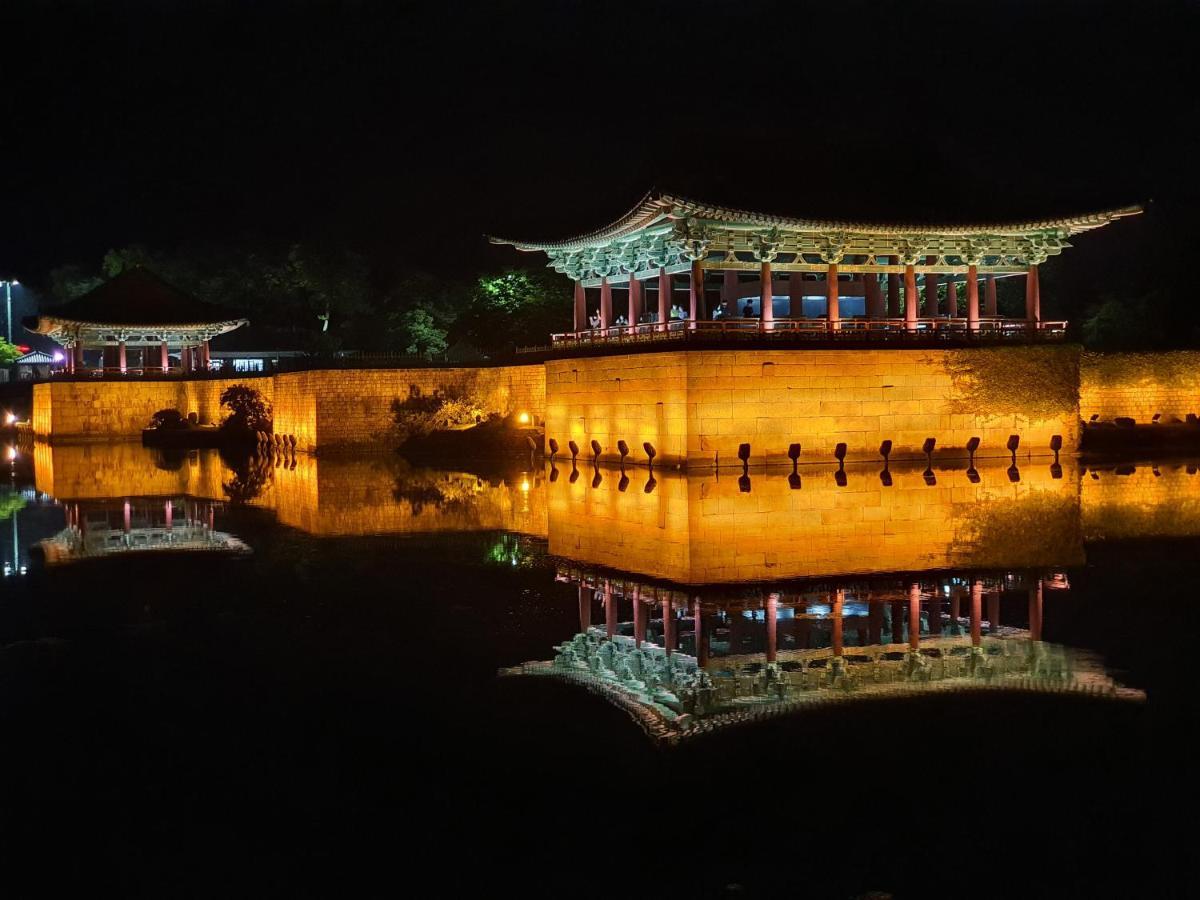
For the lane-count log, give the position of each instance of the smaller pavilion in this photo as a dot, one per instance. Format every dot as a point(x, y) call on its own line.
point(135, 324)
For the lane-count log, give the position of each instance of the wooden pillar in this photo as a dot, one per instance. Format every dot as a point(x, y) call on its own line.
point(730, 289)
point(169, 514)
point(635, 300)
point(69, 359)
point(897, 621)
point(989, 297)
point(696, 312)
point(610, 609)
point(1035, 611)
point(894, 309)
point(581, 320)
point(664, 299)
point(875, 307)
point(976, 613)
point(701, 636)
point(935, 612)
point(668, 624)
point(874, 621)
point(914, 616)
point(121, 356)
point(605, 303)
point(951, 297)
point(1033, 300)
point(127, 518)
point(639, 619)
point(772, 617)
point(955, 600)
point(164, 357)
point(973, 298)
point(585, 607)
point(205, 357)
point(832, 312)
point(837, 636)
point(766, 295)
point(79, 366)
point(910, 298)
point(931, 282)
point(185, 359)
point(795, 295)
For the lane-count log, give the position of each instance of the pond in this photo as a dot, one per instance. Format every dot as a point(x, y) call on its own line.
point(301, 675)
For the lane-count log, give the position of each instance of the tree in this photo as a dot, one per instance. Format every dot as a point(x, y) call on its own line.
point(516, 307)
point(249, 412)
point(420, 332)
point(1136, 323)
point(8, 352)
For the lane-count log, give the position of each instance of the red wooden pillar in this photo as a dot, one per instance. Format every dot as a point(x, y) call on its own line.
point(581, 321)
point(976, 613)
point(121, 356)
point(874, 621)
point(832, 312)
point(837, 636)
point(772, 616)
point(993, 612)
point(639, 619)
point(69, 359)
point(914, 616)
point(955, 598)
point(701, 637)
point(1035, 611)
point(875, 307)
point(897, 621)
point(766, 295)
point(635, 300)
point(910, 298)
point(610, 609)
point(664, 299)
point(1033, 300)
point(931, 280)
point(605, 303)
point(973, 298)
point(894, 310)
point(164, 357)
point(951, 297)
point(989, 297)
point(585, 608)
point(696, 312)
point(730, 289)
point(127, 518)
point(935, 613)
point(668, 624)
point(795, 295)
point(79, 366)
point(185, 359)
point(169, 514)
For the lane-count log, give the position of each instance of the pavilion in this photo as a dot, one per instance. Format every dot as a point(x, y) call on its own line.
point(136, 324)
point(805, 276)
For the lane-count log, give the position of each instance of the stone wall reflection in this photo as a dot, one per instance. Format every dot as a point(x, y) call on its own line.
point(709, 529)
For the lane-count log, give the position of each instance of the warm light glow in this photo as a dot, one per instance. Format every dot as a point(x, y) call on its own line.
point(523, 418)
point(11, 453)
point(10, 418)
point(525, 487)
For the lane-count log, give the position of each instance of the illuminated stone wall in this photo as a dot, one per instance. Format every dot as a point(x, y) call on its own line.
point(706, 529)
point(323, 409)
point(352, 409)
point(117, 410)
point(1143, 501)
point(696, 407)
point(1138, 385)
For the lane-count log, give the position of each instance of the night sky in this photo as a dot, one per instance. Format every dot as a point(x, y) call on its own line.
point(408, 131)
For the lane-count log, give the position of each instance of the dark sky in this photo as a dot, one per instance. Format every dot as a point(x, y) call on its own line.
point(409, 130)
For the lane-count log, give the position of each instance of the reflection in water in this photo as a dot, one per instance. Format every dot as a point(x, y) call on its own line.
point(97, 529)
point(683, 666)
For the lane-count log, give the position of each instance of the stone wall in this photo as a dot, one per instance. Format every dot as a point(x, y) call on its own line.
point(697, 407)
point(81, 411)
point(325, 410)
point(1138, 385)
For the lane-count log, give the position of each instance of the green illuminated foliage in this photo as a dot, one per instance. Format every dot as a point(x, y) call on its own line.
point(10, 504)
point(8, 352)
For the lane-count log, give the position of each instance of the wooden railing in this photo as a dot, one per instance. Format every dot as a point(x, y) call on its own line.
point(857, 329)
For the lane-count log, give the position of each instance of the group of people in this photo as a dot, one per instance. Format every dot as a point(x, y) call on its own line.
point(677, 314)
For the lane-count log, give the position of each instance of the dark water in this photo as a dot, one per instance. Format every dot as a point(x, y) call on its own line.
point(977, 683)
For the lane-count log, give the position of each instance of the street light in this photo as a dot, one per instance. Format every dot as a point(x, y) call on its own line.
point(8, 286)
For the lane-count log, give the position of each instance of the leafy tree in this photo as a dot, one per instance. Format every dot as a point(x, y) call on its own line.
point(11, 502)
point(420, 332)
point(1136, 323)
point(8, 352)
point(516, 307)
point(249, 411)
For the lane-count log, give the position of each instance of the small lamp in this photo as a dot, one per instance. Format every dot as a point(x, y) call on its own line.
point(650, 453)
point(596, 450)
point(794, 455)
point(744, 456)
point(574, 448)
point(1014, 441)
point(1056, 445)
point(553, 445)
point(839, 453)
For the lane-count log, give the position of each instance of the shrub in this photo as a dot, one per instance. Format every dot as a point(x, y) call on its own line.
point(452, 407)
point(168, 420)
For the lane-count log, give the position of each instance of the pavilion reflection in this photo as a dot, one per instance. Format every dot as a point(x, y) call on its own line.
point(97, 529)
point(684, 662)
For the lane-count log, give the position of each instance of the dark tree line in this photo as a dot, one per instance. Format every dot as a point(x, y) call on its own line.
point(319, 300)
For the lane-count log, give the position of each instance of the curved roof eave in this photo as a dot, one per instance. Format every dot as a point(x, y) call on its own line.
point(46, 324)
point(654, 207)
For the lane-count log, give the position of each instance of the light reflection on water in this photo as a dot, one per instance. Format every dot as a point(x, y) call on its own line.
point(828, 563)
